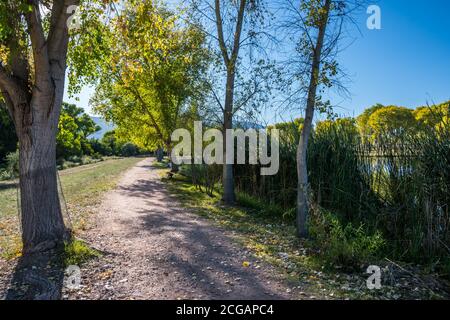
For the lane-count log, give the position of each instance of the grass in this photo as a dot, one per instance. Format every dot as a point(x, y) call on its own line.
point(274, 241)
point(77, 252)
point(83, 188)
point(161, 165)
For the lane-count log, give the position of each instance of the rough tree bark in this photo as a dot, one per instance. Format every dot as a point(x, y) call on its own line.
point(42, 222)
point(302, 170)
point(35, 107)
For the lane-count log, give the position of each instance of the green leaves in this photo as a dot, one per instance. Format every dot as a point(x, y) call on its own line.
point(25, 7)
point(89, 47)
point(148, 73)
point(68, 142)
point(392, 121)
point(73, 129)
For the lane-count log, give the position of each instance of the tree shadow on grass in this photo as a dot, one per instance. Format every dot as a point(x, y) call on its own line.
point(37, 276)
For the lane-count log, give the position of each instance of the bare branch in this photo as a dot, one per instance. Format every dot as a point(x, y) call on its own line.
point(237, 34)
point(219, 25)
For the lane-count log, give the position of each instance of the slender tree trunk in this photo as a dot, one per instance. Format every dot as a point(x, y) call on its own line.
point(228, 179)
point(230, 63)
point(42, 221)
point(159, 154)
point(302, 172)
point(173, 167)
point(302, 169)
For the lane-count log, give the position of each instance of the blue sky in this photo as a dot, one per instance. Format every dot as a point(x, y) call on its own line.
point(405, 63)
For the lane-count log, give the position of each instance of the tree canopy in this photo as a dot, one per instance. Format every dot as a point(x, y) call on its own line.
point(151, 76)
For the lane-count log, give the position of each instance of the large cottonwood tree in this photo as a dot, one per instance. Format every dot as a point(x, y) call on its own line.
point(34, 40)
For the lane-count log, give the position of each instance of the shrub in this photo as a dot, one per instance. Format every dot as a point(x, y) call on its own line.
point(97, 156)
point(4, 175)
point(77, 252)
point(12, 164)
point(204, 177)
point(100, 148)
point(8, 137)
point(128, 150)
point(347, 245)
point(75, 159)
point(86, 160)
point(68, 165)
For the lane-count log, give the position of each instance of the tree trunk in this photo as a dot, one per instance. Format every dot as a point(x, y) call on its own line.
point(302, 169)
point(159, 154)
point(230, 63)
point(174, 168)
point(33, 90)
point(42, 221)
point(227, 176)
point(302, 172)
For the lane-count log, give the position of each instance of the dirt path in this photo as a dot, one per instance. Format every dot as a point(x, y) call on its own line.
point(156, 249)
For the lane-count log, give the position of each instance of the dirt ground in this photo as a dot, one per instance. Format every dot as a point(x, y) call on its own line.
point(156, 249)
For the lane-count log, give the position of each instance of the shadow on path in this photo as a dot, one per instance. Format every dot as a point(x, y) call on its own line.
point(37, 276)
point(201, 255)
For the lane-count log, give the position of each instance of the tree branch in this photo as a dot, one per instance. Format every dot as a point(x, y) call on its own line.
point(237, 34)
point(136, 93)
point(58, 36)
point(219, 24)
point(215, 96)
point(39, 44)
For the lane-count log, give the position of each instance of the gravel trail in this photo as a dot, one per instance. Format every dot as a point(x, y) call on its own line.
point(156, 249)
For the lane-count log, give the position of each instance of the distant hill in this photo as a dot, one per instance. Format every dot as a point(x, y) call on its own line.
point(104, 125)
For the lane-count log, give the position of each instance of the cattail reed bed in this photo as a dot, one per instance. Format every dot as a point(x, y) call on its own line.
point(396, 184)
